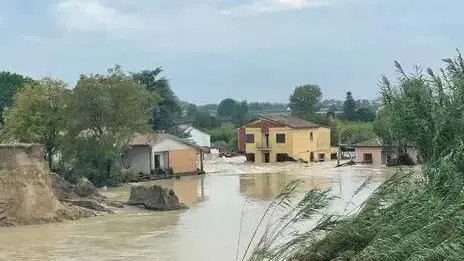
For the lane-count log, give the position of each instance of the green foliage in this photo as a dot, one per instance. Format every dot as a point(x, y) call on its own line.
point(426, 110)
point(226, 107)
point(204, 120)
point(167, 111)
point(10, 83)
point(211, 108)
point(305, 100)
point(332, 111)
point(240, 113)
point(350, 132)
point(107, 110)
point(39, 115)
point(192, 110)
point(337, 131)
point(365, 114)
point(266, 106)
point(226, 134)
point(349, 108)
point(382, 125)
point(356, 132)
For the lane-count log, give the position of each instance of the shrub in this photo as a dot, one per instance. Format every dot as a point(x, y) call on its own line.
point(169, 171)
point(128, 175)
point(159, 171)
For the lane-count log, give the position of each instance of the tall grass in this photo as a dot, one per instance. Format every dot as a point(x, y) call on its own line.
point(414, 215)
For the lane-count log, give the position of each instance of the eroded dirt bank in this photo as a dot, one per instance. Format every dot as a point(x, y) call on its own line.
point(26, 192)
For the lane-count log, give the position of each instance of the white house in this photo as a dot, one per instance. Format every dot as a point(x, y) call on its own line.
point(196, 136)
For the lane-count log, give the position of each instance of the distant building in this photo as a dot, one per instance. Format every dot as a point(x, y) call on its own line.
point(195, 135)
point(276, 138)
point(374, 152)
point(153, 151)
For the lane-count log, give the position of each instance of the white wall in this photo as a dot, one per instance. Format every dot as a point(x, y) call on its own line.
point(168, 144)
point(138, 158)
point(200, 138)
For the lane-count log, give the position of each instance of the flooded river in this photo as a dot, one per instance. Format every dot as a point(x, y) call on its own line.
point(208, 230)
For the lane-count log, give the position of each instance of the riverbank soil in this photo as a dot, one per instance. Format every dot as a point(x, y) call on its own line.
point(26, 191)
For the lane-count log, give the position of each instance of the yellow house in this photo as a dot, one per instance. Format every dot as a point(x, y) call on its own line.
point(278, 138)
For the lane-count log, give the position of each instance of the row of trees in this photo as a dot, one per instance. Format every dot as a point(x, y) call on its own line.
point(305, 101)
point(228, 110)
point(87, 128)
point(353, 125)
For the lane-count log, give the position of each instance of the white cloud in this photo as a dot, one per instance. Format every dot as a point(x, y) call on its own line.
point(94, 15)
point(271, 6)
point(190, 27)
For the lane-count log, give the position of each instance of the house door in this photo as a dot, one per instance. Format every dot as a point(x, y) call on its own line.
point(266, 157)
point(250, 157)
point(157, 161)
point(311, 157)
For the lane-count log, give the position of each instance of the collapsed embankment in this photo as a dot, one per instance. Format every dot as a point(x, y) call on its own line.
point(27, 195)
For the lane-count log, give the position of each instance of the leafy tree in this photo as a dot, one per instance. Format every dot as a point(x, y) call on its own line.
point(349, 132)
point(382, 125)
point(363, 103)
point(337, 128)
point(212, 108)
point(192, 110)
point(204, 120)
point(226, 107)
point(305, 100)
point(266, 106)
point(167, 112)
point(355, 132)
point(225, 134)
point(332, 111)
point(255, 106)
point(107, 110)
point(39, 115)
point(349, 108)
point(365, 114)
point(9, 84)
point(240, 113)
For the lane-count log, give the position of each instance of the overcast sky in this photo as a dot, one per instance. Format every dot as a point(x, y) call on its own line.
point(244, 49)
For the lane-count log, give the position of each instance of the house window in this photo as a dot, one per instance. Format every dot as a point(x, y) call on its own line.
point(311, 136)
point(250, 138)
point(367, 158)
point(280, 138)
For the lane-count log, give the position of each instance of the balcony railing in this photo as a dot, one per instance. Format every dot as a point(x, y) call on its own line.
point(263, 147)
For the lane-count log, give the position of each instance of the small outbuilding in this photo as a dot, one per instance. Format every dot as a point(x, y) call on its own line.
point(152, 151)
point(375, 152)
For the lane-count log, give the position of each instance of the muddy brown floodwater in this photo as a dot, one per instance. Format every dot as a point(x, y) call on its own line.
point(208, 230)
